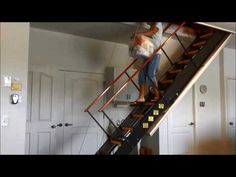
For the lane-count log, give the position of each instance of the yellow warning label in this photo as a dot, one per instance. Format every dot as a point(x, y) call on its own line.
point(161, 106)
point(150, 118)
point(155, 112)
point(16, 86)
point(145, 125)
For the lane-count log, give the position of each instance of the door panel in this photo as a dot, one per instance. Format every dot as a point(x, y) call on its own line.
point(45, 108)
point(83, 136)
point(180, 128)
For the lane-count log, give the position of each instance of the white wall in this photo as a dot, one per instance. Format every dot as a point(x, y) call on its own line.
point(229, 62)
point(75, 53)
point(14, 62)
point(208, 131)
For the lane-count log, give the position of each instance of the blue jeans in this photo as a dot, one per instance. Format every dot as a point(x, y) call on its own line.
point(150, 69)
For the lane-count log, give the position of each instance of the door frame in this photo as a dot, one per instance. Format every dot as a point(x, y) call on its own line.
point(225, 123)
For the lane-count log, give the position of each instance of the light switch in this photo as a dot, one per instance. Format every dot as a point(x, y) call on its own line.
point(4, 121)
point(7, 81)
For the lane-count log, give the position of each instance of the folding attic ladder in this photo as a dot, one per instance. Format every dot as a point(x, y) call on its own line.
point(145, 118)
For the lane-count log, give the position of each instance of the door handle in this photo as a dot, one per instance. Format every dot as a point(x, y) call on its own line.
point(58, 125)
point(191, 123)
point(67, 124)
point(53, 126)
point(231, 123)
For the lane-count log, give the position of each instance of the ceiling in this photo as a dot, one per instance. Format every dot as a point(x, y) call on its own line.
point(107, 31)
point(119, 32)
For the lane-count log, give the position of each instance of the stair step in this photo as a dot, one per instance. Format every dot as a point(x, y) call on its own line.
point(183, 62)
point(145, 104)
point(192, 52)
point(137, 116)
point(206, 35)
point(198, 44)
point(116, 142)
point(175, 71)
point(148, 103)
point(167, 81)
point(127, 128)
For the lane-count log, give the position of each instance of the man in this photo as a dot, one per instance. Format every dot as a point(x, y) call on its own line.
point(147, 75)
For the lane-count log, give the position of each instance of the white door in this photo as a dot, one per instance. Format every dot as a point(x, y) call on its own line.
point(181, 126)
point(231, 116)
point(81, 134)
point(45, 109)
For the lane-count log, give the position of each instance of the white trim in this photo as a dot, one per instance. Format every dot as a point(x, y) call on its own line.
point(222, 100)
point(194, 107)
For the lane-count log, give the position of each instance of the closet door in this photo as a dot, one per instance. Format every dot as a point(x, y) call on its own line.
point(81, 134)
point(44, 127)
point(181, 127)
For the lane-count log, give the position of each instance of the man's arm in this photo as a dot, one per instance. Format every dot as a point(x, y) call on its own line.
point(150, 32)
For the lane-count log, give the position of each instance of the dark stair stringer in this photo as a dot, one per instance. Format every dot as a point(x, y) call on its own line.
point(134, 127)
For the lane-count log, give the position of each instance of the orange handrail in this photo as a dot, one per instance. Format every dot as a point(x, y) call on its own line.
point(139, 69)
point(117, 78)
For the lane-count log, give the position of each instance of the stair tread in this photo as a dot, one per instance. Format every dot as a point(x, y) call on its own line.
point(126, 128)
point(168, 81)
point(137, 115)
point(148, 103)
point(175, 71)
point(192, 52)
point(206, 35)
point(199, 43)
point(116, 142)
point(184, 61)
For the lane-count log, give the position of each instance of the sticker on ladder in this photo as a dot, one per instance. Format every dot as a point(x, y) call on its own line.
point(145, 125)
point(161, 106)
point(155, 112)
point(150, 118)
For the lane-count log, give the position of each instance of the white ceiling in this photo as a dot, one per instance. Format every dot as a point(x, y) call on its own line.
point(111, 31)
point(107, 31)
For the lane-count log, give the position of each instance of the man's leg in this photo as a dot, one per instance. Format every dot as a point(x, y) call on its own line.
point(142, 84)
point(152, 70)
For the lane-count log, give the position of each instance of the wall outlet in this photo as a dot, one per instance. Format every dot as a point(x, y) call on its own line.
point(4, 121)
